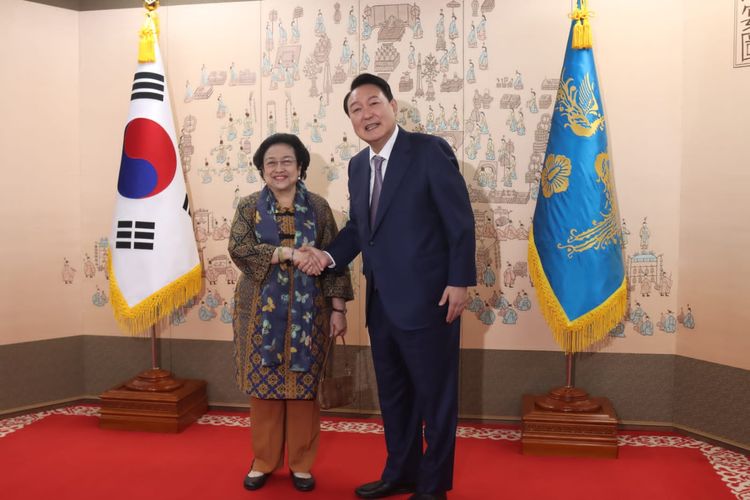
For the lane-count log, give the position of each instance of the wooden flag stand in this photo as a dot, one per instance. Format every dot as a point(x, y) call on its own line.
point(567, 422)
point(153, 401)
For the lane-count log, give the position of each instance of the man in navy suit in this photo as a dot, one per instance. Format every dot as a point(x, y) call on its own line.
point(411, 219)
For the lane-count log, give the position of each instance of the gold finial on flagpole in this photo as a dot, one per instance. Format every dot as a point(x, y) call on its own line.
point(582, 38)
point(149, 32)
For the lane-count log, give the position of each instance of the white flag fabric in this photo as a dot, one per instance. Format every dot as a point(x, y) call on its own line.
point(154, 263)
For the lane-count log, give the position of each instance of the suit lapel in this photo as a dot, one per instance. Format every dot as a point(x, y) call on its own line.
point(398, 163)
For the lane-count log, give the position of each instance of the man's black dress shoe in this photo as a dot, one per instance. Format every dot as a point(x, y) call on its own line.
point(382, 489)
point(303, 483)
point(428, 496)
point(255, 483)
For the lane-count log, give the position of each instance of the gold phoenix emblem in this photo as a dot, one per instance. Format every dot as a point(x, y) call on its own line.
point(603, 232)
point(578, 105)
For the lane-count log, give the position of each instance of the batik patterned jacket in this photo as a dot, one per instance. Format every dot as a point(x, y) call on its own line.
point(254, 260)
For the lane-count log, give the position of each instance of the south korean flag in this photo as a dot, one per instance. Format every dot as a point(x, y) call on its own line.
point(154, 261)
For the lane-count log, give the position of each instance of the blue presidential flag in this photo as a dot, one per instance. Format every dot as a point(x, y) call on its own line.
point(575, 245)
point(154, 266)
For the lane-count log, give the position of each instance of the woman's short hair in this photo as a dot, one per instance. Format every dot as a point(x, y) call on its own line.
point(301, 154)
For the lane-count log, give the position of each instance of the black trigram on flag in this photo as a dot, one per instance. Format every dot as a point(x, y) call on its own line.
point(186, 205)
point(147, 85)
point(138, 235)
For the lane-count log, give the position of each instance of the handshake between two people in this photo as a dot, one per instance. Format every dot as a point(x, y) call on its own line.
point(310, 260)
point(313, 261)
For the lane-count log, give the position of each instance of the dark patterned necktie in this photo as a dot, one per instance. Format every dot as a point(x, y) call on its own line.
point(377, 186)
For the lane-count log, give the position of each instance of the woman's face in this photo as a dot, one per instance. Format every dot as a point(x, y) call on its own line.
point(280, 168)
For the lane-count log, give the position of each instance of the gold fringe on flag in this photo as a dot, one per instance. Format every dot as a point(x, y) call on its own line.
point(158, 305)
point(592, 327)
point(149, 33)
point(582, 38)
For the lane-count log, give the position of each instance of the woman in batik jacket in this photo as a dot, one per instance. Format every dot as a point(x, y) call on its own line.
point(283, 318)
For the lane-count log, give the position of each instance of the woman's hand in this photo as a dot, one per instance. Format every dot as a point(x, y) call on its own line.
point(306, 262)
point(338, 324)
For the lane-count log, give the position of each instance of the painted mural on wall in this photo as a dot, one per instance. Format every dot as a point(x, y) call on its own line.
point(647, 278)
point(741, 33)
point(451, 69)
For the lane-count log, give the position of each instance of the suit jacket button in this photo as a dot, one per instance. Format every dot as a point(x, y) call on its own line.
point(372, 243)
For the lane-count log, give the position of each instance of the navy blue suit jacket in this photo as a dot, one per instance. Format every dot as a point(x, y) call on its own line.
point(423, 238)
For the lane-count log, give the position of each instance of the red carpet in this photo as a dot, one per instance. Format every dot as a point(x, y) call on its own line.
point(62, 454)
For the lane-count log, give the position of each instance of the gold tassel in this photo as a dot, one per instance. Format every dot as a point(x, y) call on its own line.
point(158, 305)
point(582, 38)
point(148, 34)
point(577, 35)
point(592, 327)
point(151, 6)
point(586, 40)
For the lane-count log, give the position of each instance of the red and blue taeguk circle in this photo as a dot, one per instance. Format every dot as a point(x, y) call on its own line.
point(148, 160)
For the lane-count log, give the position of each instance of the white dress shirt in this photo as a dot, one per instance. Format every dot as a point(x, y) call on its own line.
point(384, 153)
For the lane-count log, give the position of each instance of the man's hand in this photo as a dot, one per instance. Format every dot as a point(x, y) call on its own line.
point(315, 260)
point(457, 297)
point(306, 262)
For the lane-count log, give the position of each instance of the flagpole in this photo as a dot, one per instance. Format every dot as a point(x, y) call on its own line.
point(568, 398)
point(154, 349)
point(155, 379)
point(569, 369)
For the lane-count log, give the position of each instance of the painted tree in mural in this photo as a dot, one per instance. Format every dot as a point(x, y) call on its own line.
point(311, 70)
point(320, 56)
point(430, 74)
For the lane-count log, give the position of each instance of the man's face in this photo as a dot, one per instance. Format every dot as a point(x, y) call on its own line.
point(373, 116)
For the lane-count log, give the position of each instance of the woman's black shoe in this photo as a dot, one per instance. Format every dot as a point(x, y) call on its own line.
point(303, 483)
point(255, 483)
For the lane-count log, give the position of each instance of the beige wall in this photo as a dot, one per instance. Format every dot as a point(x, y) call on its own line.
point(654, 86)
point(219, 34)
point(714, 229)
point(107, 64)
point(41, 187)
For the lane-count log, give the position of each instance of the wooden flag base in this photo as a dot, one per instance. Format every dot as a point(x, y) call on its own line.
point(153, 401)
point(154, 380)
point(566, 422)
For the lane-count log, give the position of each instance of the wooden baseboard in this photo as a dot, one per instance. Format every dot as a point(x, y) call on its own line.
point(463, 418)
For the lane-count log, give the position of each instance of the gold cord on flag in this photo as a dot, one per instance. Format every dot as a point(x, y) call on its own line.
point(149, 32)
point(156, 306)
point(592, 327)
point(582, 38)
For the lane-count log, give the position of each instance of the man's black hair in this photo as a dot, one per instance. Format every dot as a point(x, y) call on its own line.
point(365, 79)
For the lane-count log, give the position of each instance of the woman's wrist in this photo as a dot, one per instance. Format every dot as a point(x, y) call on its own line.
point(284, 254)
point(336, 309)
